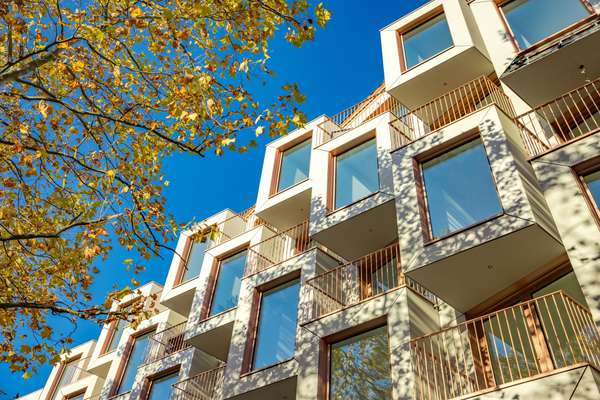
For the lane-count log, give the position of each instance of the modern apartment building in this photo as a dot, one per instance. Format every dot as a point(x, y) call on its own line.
point(439, 240)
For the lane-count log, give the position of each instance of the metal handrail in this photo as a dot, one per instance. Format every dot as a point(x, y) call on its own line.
point(206, 385)
point(166, 342)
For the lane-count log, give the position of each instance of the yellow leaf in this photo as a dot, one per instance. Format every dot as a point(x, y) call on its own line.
point(260, 130)
point(78, 66)
point(227, 141)
point(136, 12)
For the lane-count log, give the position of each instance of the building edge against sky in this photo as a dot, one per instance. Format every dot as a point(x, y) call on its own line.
point(438, 240)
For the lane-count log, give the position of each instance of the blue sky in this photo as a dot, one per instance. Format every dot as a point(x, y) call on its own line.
point(340, 67)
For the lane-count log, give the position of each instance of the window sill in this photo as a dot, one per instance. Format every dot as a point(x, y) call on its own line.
point(217, 315)
point(255, 371)
point(432, 241)
point(409, 69)
point(373, 194)
point(275, 194)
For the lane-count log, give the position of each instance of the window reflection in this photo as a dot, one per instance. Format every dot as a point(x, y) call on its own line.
point(135, 359)
point(195, 259)
point(356, 174)
point(295, 163)
point(425, 41)
point(460, 189)
point(115, 337)
point(534, 20)
point(227, 287)
point(161, 388)
point(360, 367)
point(67, 376)
point(593, 184)
point(276, 334)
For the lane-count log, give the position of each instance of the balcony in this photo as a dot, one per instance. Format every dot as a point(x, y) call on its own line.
point(447, 109)
point(204, 386)
point(165, 343)
point(563, 120)
point(571, 55)
point(515, 345)
point(234, 226)
point(278, 248)
point(378, 103)
point(354, 282)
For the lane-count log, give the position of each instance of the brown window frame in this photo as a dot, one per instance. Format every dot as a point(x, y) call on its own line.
point(59, 374)
point(257, 296)
point(332, 171)
point(112, 327)
point(125, 359)
point(183, 263)
point(511, 34)
point(213, 277)
point(436, 12)
point(274, 188)
point(580, 171)
point(324, 371)
point(149, 381)
point(75, 394)
point(419, 160)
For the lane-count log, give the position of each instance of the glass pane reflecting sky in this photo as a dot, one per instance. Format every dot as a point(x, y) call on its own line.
point(360, 367)
point(294, 165)
point(116, 337)
point(161, 388)
point(460, 189)
point(356, 174)
point(593, 183)
point(426, 41)
point(195, 258)
point(66, 377)
point(276, 335)
point(227, 289)
point(138, 352)
point(534, 20)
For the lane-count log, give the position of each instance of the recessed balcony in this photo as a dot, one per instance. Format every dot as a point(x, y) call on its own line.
point(207, 385)
point(165, 343)
point(515, 345)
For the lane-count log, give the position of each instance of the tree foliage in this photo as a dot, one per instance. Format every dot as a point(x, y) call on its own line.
point(94, 94)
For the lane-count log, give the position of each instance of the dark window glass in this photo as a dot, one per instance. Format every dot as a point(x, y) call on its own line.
point(67, 376)
point(135, 359)
point(568, 284)
point(77, 397)
point(593, 183)
point(116, 335)
point(161, 388)
point(360, 367)
point(276, 335)
point(194, 259)
point(356, 174)
point(427, 40)
point(295, 163)
point(227, 288)
point(534, 20)
point(460, 189)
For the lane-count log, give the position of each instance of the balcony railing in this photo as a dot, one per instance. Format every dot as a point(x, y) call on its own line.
point(448, 108)
point(204, 386)
point(358, 280)
point(565, 119)
point(278, 248)
point(234, 226)
point(514, 344)
point(352, 117)
point(166, 342)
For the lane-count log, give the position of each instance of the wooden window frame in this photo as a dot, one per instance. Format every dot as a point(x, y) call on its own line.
point(149, 381)
point(324, 371)
point(59, 374)
point(213, 278)
point(422, 20)
point(252, 333)
point(276, 175)
point(112, 328)
point(332, 171)
point(183, 264)
point(126, 358)
point(428, 155)
point(500, 3)
point(75, 394)
point(580, 171)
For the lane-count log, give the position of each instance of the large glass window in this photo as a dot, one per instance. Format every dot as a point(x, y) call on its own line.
point(295, 163)
point(67, 376)
point(194, 259)
point(136, 358)
point(356, 174)
point(115, 336)
point(227, 287)
point(534, 20)
point(592, 182)
point(360, 367)
point(460, 189)
point(276, 335)
point(161, 388)
point(425, 41)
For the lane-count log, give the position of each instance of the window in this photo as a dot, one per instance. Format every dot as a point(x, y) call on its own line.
point(114, 334)
point(66, 373)
point(592, 181)
point(426, 41)
point(356, 174)
point(194, 260)
point(79, 396)
point(459, 188)
point(135, 358)
point(160, 388)
point(533, 20)
point(227, 286)
point(360, 367)
point(276, 334)
point(294, 166)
